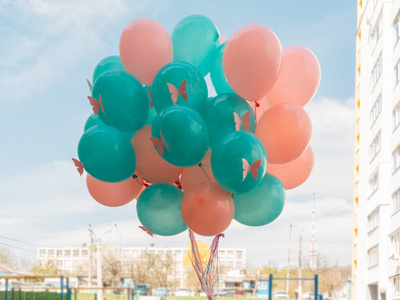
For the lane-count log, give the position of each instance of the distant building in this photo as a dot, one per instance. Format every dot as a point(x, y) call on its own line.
point(70, 259)
point(376, 199)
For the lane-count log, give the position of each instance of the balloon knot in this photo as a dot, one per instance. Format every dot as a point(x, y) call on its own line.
point(257, 104)
point(200, 165)
point(134, 176)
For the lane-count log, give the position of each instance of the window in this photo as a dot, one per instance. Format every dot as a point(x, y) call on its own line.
point(229, 264)
point(376, 109)
point(261, 285)
point(75, 263)
point(373, 183)
point(76, 253)
point(396, 201)
point(67, 263)
point(397, 29)
point(230, 254)
point(42, 253)
point(67, 253)
point(178, 253)
point(59, 252)
point(239, 264)
point(135, 253)
point(396, 116)
point(396, 72)
point(373, 257)
point(376, 71)
point(396, 286)
point(396, 158)
point(373, 220)
point(221, 253)
point(239, 254)
point(59, 263)
point(396, 243)
point(376, 32)
point(51, 252)
point(84, 253)
point(375, 146)
point(126, 253)
point(160, 252)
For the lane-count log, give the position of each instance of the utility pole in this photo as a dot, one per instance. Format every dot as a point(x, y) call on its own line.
point(120, 253)
point(90, 256)
point(99, 262)
point(300, 261)
point(288, 265)
point(313, 251)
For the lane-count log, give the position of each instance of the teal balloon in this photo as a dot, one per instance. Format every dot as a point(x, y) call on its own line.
point(217, 75)
point(107, 154)
point(175, 73)
point(195, 40)
point(262, 205)
point(124, 100)
point(107, 64)
point(185, 134)
point(227, 161)
point(220, 118)
point(159, 209)
point(93, 121)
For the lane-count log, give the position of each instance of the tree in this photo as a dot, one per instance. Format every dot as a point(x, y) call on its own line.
point(154, 269)
point(6, 256)
point(191, 279)
point(49, 268)
point(111, 266)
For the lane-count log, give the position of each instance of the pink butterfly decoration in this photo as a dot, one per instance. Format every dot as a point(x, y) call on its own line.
point(175, 92)
point(159, 143)
point(245, 121)
point(253, 169)
point(148, 231)
point(96, 105)
point(149, 92)
point(151, 103)
point(222, 39)
point(79, 166)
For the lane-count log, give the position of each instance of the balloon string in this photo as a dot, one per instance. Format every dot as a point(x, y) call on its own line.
point(205, 173)
point(135, 177)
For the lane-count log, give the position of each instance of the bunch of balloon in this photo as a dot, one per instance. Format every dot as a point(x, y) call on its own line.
point(191, 160)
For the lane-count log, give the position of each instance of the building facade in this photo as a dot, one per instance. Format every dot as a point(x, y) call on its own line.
point(376, 199)
point(71, 260)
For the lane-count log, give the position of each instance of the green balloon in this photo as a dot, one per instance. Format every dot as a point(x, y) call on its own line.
point(124, 100)
point(220, 118)
point(175, 74)
point(92, 121)
point(152, 111)
point(159, 209)
point(195, 40)
point(185, 134)
point(107, 154)
point(229, 157)
point(217, 75)
point(262, 205)
point(107, 64)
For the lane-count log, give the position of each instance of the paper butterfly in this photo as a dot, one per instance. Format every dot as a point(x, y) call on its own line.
point(96, 105)
point(148, 231)
point(150, 100)
point(253, 169)
point(159, 144)
point(222, 39)
point(245, 121)
point(149, 92)
point(90, 85)
point(79, 166)
point(175, 92)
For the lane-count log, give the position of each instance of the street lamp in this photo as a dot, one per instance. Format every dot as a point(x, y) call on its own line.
point(120, 242)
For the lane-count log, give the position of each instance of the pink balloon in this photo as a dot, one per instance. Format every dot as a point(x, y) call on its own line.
point(296, 172)
point(251, 61)
point(114, 194)
point(285, 131)
point(298, 78)
point(207, 209)
point(194, 175)
point(144, 47)
point(149, 164)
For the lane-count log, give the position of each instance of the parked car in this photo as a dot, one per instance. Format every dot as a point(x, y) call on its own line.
point(239, 294)
point(281, 295)
point(142, 290)
point(229, 294)
point(161, 292)
point(182, 292)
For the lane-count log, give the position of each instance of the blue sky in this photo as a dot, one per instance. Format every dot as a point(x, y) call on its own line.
point(49, 48)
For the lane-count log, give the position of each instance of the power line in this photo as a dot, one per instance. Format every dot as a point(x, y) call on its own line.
point(8, 245)
point(4, 237)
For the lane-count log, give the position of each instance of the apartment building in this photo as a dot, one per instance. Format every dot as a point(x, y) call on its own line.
point(376, 199)
point(71, 259)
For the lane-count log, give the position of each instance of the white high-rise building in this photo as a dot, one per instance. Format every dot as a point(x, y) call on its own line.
point(376, 216)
